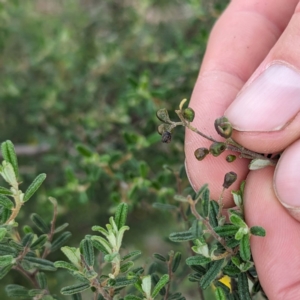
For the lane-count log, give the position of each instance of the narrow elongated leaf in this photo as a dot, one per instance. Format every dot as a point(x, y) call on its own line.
point(99, 247)
point(258, 163)
point(121, 215)
point(243, 288)
point(60, 241)
point(17, 291)
point(211, 273)
point(6, 202)
point(123, 281)
point(146, 285)
point(34, 186)
point(5, 270)
point(126, 266)
point(245, 251)
point(40, 263)
point(74, 289)
point(27, 239)
point(42, 280)
point(195, 277)
point(3, 232)
point(222, 286)
point(61, 227)
point(219, 293)
point(9, 154)
point(197, 260)
point(201, 190)
point(226, 230)
point(231, 270)
point(78, 297)
point(35, 292)
point(5, 214)
point(16, 245)
point(7, 250)
point(72, 254)
point(161, 283)
point(199, 269)
point(65, 265)
point(176, 261)
point(236, 220)
point(39, 223)
point(258, 231)
point(84, 151)
point(159, 257)
point(39, 242)
point(213, 213)
point(196, 229)
point(5, 191)
point(131, 255)
point(87, 250)
point(6, 260)
point(181, 236)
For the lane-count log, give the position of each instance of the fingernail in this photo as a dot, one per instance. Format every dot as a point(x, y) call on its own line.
point(287, 178)
point(269, 102)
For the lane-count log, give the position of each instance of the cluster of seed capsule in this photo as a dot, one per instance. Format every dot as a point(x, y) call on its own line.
point(222, 126)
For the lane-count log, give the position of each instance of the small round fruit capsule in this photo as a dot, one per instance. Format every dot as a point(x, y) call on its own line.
point(201, 153)
point(189, 114)
point(217, 148)
point(230, 158)
point(229, 179)
point(223, 127)
point(166, 137)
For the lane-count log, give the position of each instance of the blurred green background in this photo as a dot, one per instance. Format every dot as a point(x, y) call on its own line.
point(93, 73)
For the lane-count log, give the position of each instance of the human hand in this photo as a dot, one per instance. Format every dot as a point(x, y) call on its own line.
point(253, 57)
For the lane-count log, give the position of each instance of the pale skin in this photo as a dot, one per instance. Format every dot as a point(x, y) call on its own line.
point(248, 38)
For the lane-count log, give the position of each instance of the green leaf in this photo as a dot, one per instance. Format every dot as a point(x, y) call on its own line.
point(65, 265)
point(121, 215)
point(159, 257)
point(39, 223)
point(84, 151)
point(3, 232)
point(87, 250)
point(131, 255)
point(197, 260)
point(99, 246)
point(6, 202)
point(161, 283)
point(196, 229)
point(231, 270)
point(146, 285)
point(39, 242)
point(257, 163)
point(74, 289)
point(144, 169)
point(6, 260)
point(17, 291)
point(123, 281)
point(40, 263)
point(61, 227)
point(9, 154)
point(73, 255)
point(60, 241)
point(236, 220)
point(35, 292)
point(199, 269)
point(245, 251)
point(7, 250)
point(4, 271)
point(176, 261)
point(78, 297)
point(5, 191)
point(219, 293)
point(201, 190)
point(34, 186)
point(205, 203)
point(243, 288)
point(126, 266)
point(42, 280)
point(226, 230)
point(181, 236)
point(27, 239)
point(211, 273)
point(258, 231)
point(132, 297)
point(110, 257)
point(5, 214)
point(213, 213)
point(241, 232)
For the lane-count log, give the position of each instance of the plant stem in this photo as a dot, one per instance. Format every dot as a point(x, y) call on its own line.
point(207, 225)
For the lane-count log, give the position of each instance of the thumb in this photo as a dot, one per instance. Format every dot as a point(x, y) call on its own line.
point(266, 112)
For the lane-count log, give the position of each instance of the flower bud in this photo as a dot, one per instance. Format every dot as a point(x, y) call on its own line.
point(223, 127)
point(230, 158)
point(189, 114)
point(166, 137)
point(229, 179)
point(201, 153)
point(217, 148)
